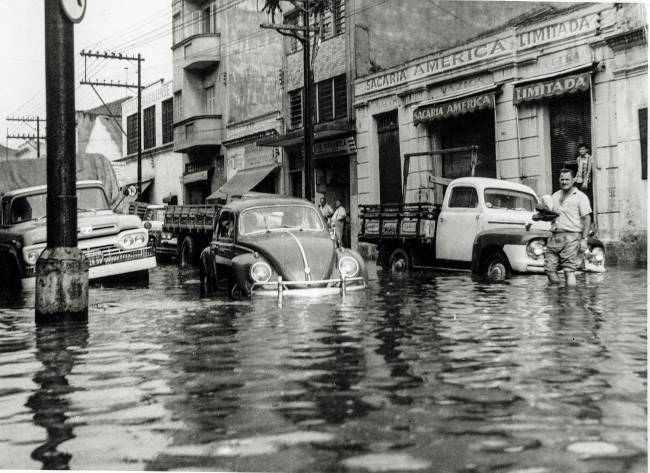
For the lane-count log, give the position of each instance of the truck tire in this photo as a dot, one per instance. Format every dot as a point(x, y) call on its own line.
point(496, 267)
point(187, 252)
point(399, 260)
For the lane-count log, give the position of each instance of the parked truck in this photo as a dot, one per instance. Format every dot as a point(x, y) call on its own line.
point(113, 244)
point(481, 224)
point(191, 226)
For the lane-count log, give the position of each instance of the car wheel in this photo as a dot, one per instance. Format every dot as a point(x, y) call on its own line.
point(496, 267)
point(399, 260)
point(187, 256)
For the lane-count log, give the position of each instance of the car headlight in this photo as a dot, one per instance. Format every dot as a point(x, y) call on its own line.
point(260, 272)
point(535, 248)
point(165, 236)
point(31, 254)
point(348, 266)
point(132, 240)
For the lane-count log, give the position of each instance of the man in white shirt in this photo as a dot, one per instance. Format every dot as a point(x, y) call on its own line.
point(338, 221)
point(570, 230)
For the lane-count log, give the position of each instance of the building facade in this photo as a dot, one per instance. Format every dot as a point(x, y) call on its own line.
point(161, 170)
point(525, 94)
point(227, 95)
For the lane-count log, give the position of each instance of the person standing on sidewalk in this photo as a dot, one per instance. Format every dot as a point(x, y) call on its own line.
point(338, 221)
point(570, 230)
point(325, 209)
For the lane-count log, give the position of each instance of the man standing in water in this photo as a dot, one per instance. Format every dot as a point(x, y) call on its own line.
point(570, 230)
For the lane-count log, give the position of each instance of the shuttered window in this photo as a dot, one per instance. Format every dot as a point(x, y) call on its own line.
point(325, 101)
point(295, 109)
point(149, 127)
point(340, 97)
point(132, 134)
point(570, 121)
point(339, 17)
point(167, 121)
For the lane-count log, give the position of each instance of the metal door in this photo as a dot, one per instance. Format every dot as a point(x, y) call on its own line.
point(390, 172)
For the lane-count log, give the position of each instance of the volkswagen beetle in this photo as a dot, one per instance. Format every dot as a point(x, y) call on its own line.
point(276, 246)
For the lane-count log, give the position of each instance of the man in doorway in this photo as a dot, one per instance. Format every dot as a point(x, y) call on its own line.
point(325, 209)
point(570, 230)
point(338, 221)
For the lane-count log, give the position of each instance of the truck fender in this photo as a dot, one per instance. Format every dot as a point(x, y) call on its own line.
point(10, 262)
point(490, 241)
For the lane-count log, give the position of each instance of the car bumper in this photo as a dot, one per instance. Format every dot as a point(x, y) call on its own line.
point(520, 262)
point(110, 263)
point(308, 288)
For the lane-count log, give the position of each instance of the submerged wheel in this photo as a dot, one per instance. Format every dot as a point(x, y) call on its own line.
point(399, 260)
point(496, 267)
point(187, 252)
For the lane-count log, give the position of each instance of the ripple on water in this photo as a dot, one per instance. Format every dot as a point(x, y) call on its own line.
point(387, 462)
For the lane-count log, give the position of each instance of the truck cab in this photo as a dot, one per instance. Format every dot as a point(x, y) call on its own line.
point(112, 243)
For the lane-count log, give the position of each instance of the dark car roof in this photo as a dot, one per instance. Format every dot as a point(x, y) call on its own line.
point(239, 205)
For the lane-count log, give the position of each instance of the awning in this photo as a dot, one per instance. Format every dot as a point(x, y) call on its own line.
point(438, 109)
point(245, 180)
point(553, 87)
point(322, 131)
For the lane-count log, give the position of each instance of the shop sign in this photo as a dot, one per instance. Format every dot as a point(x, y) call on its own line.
point(551, 88)
point(566, 59)
point(236, 157)
point(441, 110)
point(556, 31)
point(441, 63)
point(256, 156)
point(163, 92)
point(334, 147)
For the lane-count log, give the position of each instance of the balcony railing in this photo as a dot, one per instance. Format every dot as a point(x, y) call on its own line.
point(198, 166)
point(197, 132)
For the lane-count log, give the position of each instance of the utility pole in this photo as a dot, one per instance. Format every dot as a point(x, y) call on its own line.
point(23, 136)
point(61, 271)
point(138, 86)
point(301, 33)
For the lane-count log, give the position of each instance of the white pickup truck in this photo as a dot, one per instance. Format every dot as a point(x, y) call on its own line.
point(113, 243)
point(483, 225)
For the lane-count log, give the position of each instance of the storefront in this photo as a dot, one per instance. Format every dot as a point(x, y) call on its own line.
point(525, 98)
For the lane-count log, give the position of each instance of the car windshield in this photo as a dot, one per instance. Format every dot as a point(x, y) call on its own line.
point(272, 218)
point(34, 207)
point(509, 199)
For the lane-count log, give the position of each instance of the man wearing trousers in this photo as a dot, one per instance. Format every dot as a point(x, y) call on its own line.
point(570, 230)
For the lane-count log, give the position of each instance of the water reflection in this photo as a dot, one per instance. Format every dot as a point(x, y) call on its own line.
point(58, 348)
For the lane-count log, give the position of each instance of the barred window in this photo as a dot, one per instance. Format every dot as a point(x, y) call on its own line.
point(149, 125)
point(132, 134)
point(295, 109)
point(167, 121)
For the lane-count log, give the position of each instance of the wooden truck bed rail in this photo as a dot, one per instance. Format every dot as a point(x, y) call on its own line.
point(396, 221)
point(191, 218)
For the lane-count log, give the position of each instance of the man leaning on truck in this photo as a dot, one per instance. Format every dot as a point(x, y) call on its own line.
point(570, 230)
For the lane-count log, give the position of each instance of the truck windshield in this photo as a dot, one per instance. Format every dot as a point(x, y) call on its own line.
point(91, 198)
point(509, 199)
point(263, 219)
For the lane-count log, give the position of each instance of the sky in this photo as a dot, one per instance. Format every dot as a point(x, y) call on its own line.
point(126, 26)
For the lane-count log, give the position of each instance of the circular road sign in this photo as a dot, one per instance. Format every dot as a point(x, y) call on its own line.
point(74, 9)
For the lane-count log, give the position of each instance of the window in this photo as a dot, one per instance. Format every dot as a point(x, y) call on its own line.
point(132, 134)
point(178, 104)
point(189, 131)
point(149, 122)
point(226, 227)
point(293, 45)
point(463, 197)
point(325, 101)
point(508, 199)
point(177, 28)
point(208, 19)
point(339, 17)
point(340, 97)
point(643, 137)
point(209, 100)
point(295, 109)
point(167, 121)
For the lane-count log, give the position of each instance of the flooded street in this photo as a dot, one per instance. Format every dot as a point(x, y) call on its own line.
point(429, 372)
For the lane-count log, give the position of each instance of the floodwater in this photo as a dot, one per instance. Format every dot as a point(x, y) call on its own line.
point(426, 372)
